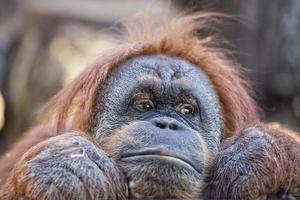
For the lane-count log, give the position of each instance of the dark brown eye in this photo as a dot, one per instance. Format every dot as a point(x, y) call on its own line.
point(144, 105)
point(186, 109)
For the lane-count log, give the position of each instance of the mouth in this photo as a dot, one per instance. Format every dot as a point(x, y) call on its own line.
point(159, 154)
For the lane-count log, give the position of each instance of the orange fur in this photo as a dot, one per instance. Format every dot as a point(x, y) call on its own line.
point(73, 107)
point(176, 38)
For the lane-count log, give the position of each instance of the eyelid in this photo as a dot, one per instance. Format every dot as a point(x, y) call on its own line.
point(141, 96)
point(190, 100)
point(142, 101)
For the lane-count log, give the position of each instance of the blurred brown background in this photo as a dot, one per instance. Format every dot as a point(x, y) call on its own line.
point(45, 43)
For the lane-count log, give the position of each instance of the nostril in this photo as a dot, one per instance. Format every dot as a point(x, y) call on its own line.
point(166, 123)
point(160, 125)
point(173, 126)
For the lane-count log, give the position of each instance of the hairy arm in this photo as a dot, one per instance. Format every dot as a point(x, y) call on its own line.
point(68, 166)
point(30, 138)
point(259, 162)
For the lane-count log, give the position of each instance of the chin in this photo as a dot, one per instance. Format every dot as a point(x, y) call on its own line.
point(156, 176)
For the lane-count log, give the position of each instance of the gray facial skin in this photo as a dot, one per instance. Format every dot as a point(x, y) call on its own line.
point(165, 151)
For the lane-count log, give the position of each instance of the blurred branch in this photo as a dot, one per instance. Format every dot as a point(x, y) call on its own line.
point(2, 106)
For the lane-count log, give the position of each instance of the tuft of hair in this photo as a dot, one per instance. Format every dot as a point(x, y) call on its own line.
point(73, 107)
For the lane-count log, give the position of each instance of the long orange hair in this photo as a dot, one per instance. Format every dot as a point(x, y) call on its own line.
point(75, 104)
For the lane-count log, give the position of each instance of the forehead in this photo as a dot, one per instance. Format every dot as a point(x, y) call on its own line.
point(160, 68)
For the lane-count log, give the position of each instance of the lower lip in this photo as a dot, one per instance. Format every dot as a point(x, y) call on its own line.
point(168, 159)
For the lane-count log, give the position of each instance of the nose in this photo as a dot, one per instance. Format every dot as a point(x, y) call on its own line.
point(166, 123)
